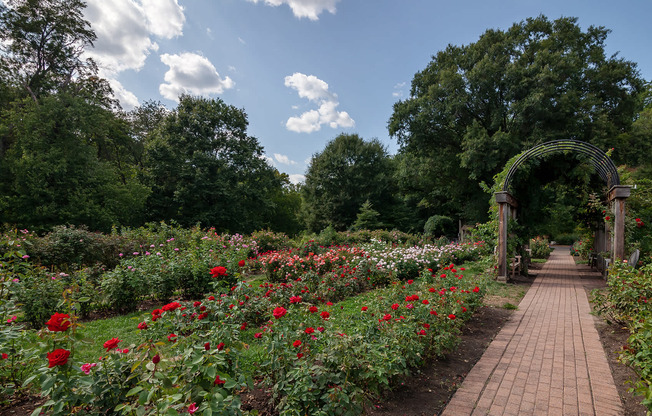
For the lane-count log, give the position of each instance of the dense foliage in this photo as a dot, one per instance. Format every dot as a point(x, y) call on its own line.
point(475, 106)
point(214, 332)
point(628, 301)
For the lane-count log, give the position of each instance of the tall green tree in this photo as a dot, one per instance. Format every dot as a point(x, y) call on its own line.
point(42, 42)
point(53, 174)
point(348, 172)
point(203, 167)
point(475, 106)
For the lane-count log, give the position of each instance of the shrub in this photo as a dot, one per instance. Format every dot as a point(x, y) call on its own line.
point(540, 247)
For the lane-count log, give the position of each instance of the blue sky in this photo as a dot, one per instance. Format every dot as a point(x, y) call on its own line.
point(305, 71)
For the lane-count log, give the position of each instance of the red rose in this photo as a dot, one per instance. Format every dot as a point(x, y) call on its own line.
point(218, 271)
point(422, 332)
point(425, 301)
point(427, 326)
point(211, 297)
point(476, 289)
point(295, 299)
point(387, 317)
point(111, 344)
point(279, 312)
point(171, 306)
point(258, 335)
point(451, 316)
point(196, 303)
point(207, 346)
point(299, 355)
point(220, 346)
point(313, 309)
point(58, 357)
point(296, 343)
point(433, 312)
point(443, 276)
point(325, 315)
point(241, 263)
point(58, 322)
point(172, 337)
point(142, 326)
point(364, 308)
point(395, 306)
point(309, 330)
point(156, 359)
point(4, 356)
point(218, 381)
point(321, 329)
point(432, 290)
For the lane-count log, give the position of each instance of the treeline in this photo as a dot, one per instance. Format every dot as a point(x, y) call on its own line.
point(70, 155)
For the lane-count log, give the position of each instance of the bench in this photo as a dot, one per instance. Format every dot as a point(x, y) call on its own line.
point(516, 265)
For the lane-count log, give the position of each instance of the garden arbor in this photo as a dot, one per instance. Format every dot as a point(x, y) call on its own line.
point(602, 165)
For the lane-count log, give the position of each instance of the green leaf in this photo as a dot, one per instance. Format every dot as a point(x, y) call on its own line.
point(134, 391)
point(143, 396)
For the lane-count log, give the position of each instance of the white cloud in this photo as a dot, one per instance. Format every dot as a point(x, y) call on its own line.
point(304, 8)
point(242, 41)
point(123, 36)
point(398, 89)
point(165, 18)
point(125, 30)
point(316, 90)
point(268, 159)
point(128, 99)
point(191, 73)
point(284, 159)
point(297, 178)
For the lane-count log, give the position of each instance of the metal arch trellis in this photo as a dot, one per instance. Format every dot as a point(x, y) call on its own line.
point(602, 164)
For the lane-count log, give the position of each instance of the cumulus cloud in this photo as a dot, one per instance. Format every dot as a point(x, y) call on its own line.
point(304, 8)
point(165, 18)
point(297, 178)
point(191, 73)
point(316, 90)
point(284, 159)
point(128, 99)
point(125, 30)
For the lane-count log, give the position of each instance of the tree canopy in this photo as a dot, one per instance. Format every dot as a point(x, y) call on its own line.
point(348, 172)
point(475, 106)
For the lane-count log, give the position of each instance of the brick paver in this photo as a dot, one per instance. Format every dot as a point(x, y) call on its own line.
point(547, 359)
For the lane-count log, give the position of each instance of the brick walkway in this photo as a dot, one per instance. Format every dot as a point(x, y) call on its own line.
point(547, 359)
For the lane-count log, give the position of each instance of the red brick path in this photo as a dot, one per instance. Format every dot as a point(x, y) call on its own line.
point(547, 359)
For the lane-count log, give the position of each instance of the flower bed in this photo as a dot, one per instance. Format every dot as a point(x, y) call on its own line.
point(629, 302)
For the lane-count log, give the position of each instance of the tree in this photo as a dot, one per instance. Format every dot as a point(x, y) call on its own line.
point(42, 42)
point(475, 106)
point(367, 218)
point(61, 168)
point(203, 168)
point(348, 172)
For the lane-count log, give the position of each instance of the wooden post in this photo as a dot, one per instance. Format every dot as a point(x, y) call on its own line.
point(617, 195)
point(506, 203)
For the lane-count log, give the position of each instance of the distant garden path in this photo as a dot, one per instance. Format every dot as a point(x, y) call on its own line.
point(547, 359)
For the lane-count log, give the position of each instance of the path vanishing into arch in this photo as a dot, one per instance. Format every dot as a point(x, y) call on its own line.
point(547, 359)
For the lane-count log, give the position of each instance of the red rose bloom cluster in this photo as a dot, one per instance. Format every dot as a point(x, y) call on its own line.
point(279, 312)
point(111, 344)
point(58, 357)
point(218, 271)
point(58, 322)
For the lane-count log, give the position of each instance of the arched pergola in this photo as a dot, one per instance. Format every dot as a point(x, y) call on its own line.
point(603, 166)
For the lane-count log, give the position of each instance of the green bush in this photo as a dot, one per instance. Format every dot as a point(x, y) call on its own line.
point(628, 301)
point(566, 239)
point(540, 247)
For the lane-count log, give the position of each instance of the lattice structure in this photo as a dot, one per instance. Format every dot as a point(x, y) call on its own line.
point(599, 159)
